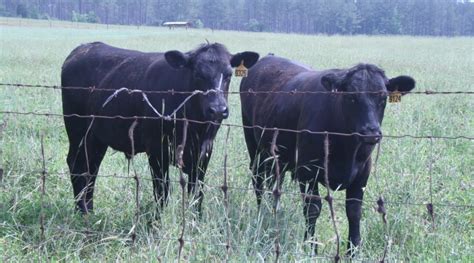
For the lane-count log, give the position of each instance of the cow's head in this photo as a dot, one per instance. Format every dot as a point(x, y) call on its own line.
point(211, 66)
point(364, 105)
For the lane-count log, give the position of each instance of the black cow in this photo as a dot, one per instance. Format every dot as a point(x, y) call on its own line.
point(107, 69)
point(303, 153)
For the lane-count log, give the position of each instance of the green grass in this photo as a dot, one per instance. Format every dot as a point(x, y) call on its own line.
point(33, 52)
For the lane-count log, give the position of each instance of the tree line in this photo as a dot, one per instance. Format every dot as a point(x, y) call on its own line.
point(408, 17)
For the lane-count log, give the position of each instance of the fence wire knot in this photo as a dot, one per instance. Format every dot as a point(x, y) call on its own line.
point(381, 209)
point(430, 209)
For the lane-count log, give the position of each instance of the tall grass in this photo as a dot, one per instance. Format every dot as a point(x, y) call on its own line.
point(34, 54)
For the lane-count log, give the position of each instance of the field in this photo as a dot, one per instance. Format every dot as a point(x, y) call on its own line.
point(33, 52)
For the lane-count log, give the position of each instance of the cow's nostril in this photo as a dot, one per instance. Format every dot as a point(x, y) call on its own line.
point(374, 130)
point(212, 110)
point(370, 135)
point(225, 113)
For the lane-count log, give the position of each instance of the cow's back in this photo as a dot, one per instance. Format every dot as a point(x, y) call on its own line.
point(271, 73)
point(271, 78)
point(86, 66)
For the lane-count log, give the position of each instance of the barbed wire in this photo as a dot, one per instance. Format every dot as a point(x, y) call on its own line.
point(242, 189)
point(276, 192)
point(251, 92)
point(120, 117)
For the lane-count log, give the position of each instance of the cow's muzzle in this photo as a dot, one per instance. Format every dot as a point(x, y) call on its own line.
point(218, 112)
point(371, 135)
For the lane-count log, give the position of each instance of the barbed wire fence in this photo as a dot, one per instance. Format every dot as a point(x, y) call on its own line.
point(225, 187)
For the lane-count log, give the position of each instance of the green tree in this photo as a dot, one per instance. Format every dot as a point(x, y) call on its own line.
point(213, 13)
point(412, 17)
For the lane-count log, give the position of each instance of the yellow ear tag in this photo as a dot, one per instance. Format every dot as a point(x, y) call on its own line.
point(241, 70)
point(395, 97)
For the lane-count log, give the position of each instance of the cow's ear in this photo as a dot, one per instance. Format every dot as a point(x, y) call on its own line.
point(331, 82)
point(176, 59)
point(404, 84)
point(249, 58)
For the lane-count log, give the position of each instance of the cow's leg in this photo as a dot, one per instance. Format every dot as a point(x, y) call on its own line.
point(354, 196)
point(84, 168)
point(79, 178)
point(76, 128)
point(258, 177)
point(311, 208)
point(196, 176)
point(257, 165)
point(95, 162)
point(159, 164)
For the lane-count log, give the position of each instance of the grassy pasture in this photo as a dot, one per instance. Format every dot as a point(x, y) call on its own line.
point(32, 52)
